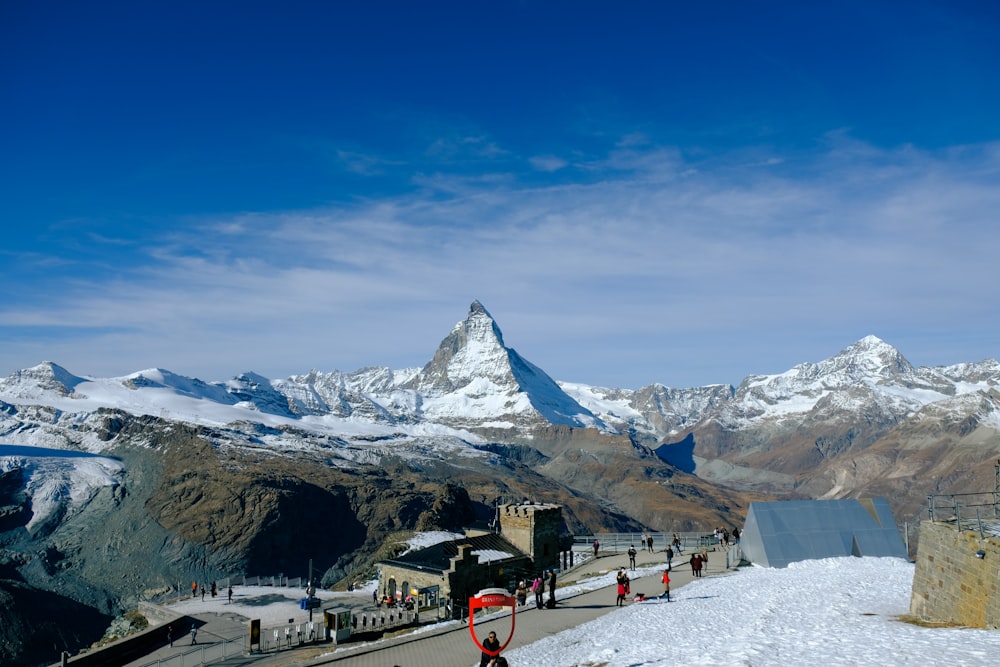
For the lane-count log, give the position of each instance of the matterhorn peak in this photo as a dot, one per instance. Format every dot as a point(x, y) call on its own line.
point(474, 349)
point(474, 363)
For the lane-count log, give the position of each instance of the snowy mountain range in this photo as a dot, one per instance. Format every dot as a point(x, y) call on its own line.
point(110, 485)
point(475, 389)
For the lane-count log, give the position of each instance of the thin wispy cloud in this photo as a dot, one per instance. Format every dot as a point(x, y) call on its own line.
point(779, 265)
point(698, 194)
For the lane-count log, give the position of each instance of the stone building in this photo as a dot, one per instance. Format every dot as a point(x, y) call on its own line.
point(527, 544)
point(535, 530)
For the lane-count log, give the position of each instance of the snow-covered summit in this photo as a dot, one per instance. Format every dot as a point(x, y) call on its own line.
point(473, 373)
point(474, 381)
point(46, 378)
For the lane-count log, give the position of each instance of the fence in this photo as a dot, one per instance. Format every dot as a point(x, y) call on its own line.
point(203, 654)
point(970, 511)
point(620, 542)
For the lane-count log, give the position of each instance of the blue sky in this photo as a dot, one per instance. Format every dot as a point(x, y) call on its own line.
point(683, 193)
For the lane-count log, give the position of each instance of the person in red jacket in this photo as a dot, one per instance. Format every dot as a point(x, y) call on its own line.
point(623, 582)
point(666, 584)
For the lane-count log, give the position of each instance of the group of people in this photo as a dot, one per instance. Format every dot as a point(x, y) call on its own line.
point(390, 602)
point(214, 589)
point(724, 538)
point(538, 586)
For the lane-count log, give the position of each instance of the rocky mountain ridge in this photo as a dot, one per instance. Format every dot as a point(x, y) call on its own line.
point(199, 479)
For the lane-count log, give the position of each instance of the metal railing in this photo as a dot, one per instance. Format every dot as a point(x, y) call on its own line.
point(978, 511)
point(202, 654)
point(620, 542)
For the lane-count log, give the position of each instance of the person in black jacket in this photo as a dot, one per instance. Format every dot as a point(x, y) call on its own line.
point(491, 644)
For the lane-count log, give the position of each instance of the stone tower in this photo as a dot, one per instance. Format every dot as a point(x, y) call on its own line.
point(534, 529)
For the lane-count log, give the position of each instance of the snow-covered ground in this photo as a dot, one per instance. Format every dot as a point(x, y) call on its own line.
point(835, 611)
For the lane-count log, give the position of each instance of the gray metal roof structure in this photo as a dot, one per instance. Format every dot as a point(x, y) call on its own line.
point(782, 532)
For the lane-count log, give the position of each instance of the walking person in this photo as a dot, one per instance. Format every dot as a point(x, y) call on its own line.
point(194, 634)
point(230, 595)
point(666, 584)
point(170, 636)
point(631, 557)
point(649, 541)
point(677, 544)
point(596, 547)
point(552, 590)
point(670, 557)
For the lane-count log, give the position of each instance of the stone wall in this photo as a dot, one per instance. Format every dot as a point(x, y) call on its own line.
point(395, 579)
point(534, 529)
point(950, 583)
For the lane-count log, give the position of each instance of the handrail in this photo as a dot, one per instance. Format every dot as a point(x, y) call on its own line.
point(948, 507)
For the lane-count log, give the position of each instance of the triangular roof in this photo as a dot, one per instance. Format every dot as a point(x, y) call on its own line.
point(782, 532)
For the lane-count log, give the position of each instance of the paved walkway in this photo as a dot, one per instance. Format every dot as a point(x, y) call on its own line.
point(453, 647)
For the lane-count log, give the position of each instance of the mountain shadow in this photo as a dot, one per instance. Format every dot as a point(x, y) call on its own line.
point(678, 454)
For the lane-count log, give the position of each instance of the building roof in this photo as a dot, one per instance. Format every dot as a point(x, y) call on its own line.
point(490, 547)
point(782, 532)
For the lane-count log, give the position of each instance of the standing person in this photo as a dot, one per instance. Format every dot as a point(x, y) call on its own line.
point(695, 565)
point(670, 557)
point(538, 587)
point(230, 595)
point(677, 543)
point(170, 636)
point(491, 644)
point(704, 559)
point(194, 634)
point(194, 589)
point(203, 593)
point(666, 584)
point(552, 589)
point(736, 535)
point(596, 547)
point(649, 541)
point(631, 556)
point(622, 580)
point(521, 593)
